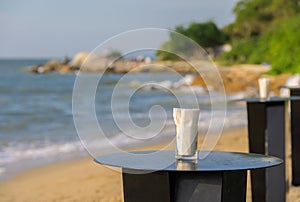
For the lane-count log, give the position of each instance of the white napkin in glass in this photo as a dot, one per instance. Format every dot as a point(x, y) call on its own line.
point(186, 121)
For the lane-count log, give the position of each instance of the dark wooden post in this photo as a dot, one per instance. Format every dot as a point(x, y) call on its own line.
point(266, 130)
point(295, 133)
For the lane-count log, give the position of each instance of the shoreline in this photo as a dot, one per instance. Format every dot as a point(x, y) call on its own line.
point(80, 155)
point(236, 78)
point(84, 180)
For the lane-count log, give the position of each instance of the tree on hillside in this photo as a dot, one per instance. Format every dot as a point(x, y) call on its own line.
point(254, 17)
point(278, 46)
point(206, 34)
point(266, 31)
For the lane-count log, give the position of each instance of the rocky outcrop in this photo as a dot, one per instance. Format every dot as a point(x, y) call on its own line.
point(53, 66)
point(83, 61)
point(78, 59)
point(245, 78)
point(89, 62)
point(235, 79)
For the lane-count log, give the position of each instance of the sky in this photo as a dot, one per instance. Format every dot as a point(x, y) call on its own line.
point(55, 28)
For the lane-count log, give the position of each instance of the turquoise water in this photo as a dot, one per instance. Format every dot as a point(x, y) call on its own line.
point(36, 121)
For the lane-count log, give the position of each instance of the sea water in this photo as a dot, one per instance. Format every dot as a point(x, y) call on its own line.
point(36, 121)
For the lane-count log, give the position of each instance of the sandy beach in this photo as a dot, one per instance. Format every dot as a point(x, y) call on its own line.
point(84, 180)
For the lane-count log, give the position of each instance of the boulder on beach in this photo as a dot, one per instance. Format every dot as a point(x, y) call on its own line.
point(78, 59)
point(90, 62)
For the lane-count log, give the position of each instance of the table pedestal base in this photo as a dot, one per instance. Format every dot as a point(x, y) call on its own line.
point(173, 186)
point(266, 128)
point(295, 132)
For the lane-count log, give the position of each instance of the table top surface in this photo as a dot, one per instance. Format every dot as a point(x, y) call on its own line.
point(165, 160)
point(271, 99)
point(291, 87)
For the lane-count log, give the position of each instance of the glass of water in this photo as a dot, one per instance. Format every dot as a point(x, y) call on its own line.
point(186, 121)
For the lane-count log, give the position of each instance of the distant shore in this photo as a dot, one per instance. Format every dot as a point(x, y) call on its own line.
point(84, 180)
point(236, 78)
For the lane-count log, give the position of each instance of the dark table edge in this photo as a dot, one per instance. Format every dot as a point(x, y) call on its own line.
point(280, 161)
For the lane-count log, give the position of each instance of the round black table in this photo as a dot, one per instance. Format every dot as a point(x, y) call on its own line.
point(221, 176)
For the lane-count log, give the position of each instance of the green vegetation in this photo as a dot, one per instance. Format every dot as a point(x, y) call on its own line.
point(205, 34)
point(254, 17)
point(263, 31)
point(279, 46)
point(266, 31)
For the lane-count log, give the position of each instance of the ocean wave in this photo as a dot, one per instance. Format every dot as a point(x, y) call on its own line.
point(26, 151)
point(11, 154)
point(31, 149)
point(184, 84)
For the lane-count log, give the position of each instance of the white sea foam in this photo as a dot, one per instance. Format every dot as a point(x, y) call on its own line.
point(2, 170)
point(183, 84)
point(14, 153)
point(23, 151)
